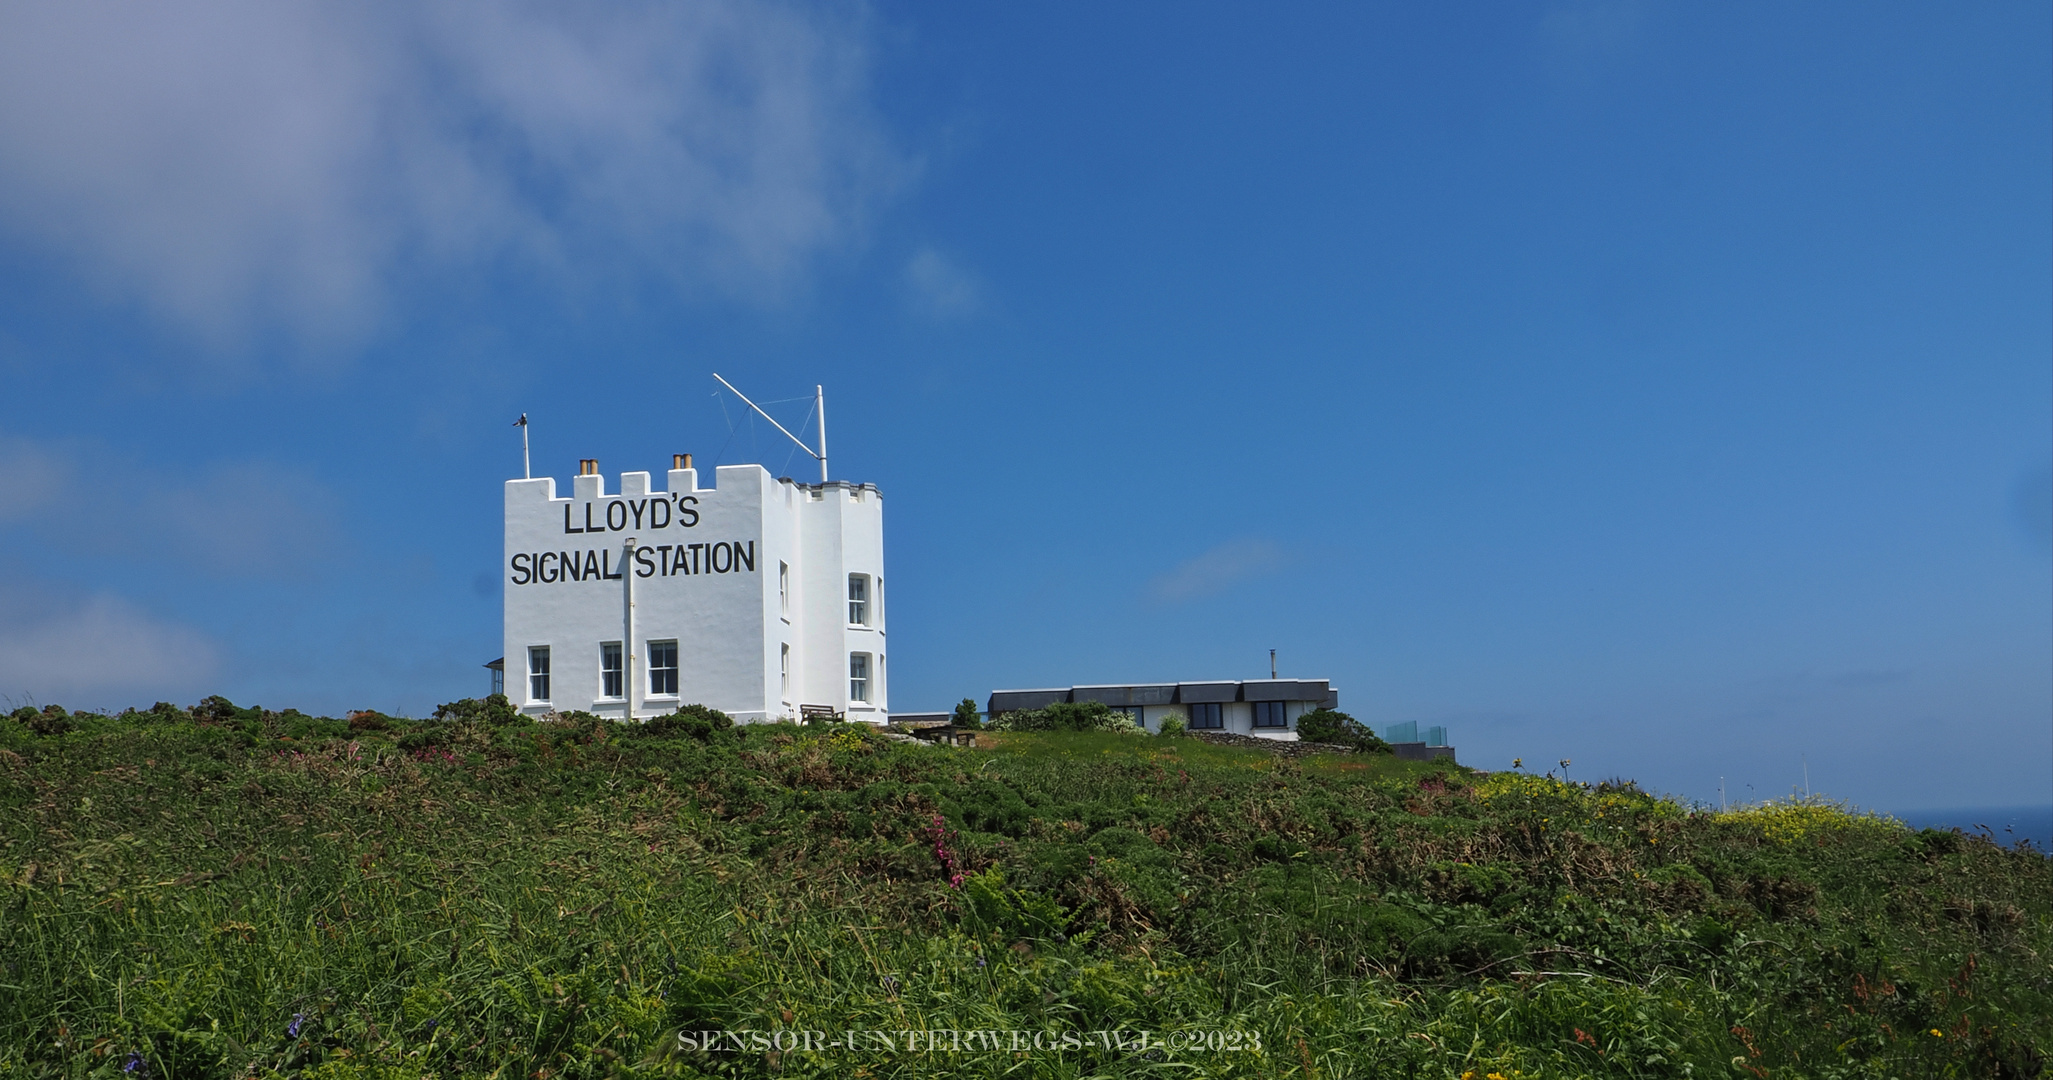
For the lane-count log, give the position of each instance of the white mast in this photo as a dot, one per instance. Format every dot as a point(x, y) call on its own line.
point(819, 402)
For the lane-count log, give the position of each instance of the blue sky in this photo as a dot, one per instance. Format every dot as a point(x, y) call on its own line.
point(1662, 387)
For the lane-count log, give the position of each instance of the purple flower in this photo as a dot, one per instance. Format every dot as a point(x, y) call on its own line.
point(134, 1062)
point(292, 1030)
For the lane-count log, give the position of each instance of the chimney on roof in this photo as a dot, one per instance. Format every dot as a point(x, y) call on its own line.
point(680, 461)
point(588, 466)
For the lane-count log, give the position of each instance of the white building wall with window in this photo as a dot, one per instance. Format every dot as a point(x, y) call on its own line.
point(740, 595)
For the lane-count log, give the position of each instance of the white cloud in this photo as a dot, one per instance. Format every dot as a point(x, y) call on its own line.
point(100, 647)
point(1217, 570)
point(244, 167)
point(235, 518)
point(939, 288)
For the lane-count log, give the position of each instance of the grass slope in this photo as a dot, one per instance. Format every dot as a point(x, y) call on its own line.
point(234, 892)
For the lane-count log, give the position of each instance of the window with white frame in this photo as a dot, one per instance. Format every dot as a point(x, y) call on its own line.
point(858, 600)
point(784, 671)
point(1271, 714)
point(858, 676)
point(538, 673)
point(663, 668)
point(784, 589)
point(609, 669)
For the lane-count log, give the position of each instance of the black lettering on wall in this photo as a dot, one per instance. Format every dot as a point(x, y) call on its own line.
point(619, 505)
point(721, 559)
point(572, 568)
point(549, 573)
point(520, 569)
point(567, 526)
point(637, 507)
point(591, 563)
point(695, 568)
point(644, 567)
point(687, 516)
point(750, 557)
point(589, 527)
point(655, 505)
point(663, 556)
point(679, 565)
point(606, 565)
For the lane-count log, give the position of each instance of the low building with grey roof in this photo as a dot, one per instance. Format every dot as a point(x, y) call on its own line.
point(1265, 708)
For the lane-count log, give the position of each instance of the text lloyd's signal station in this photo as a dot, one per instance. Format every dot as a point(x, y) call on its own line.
point(656, 515)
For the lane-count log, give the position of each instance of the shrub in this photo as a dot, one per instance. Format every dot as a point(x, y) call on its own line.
point(701, 722)
point(51, 720)
point(162, 712)
point(1066, 716)
point(967, 717)
point(1013, 913)
point(495, 710)
point(1324, 725)
point(372, 720)
point(218, 710)
point(1172, 726)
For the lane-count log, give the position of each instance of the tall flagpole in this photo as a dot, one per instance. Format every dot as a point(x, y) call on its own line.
point(820, 405)
point(527, 469)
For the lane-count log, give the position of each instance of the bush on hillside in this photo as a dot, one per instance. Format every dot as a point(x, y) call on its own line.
point(371, 720)
point(1172, 726)
point(218, 711)
point(162, 712)
point(967, 718)
point(49, 720)
point(701, 722)
point(1066, 716)
point(1331, 726)
point(495, 710)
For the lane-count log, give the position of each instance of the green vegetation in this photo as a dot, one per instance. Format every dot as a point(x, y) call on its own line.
point(1066, 716)
point(1331, 726)
point(219, 892)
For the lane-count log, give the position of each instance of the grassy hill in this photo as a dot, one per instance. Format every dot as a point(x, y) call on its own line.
point(225, 891)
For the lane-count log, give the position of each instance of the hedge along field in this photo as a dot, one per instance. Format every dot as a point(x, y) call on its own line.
point(225, 892)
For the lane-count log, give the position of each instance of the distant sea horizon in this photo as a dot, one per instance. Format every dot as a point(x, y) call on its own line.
point(2007, 824)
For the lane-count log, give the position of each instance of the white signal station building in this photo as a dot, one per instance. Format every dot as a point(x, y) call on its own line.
point(762, 597)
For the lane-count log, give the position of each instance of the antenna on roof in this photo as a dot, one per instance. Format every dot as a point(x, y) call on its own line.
point(527, 468)
point(819, 403)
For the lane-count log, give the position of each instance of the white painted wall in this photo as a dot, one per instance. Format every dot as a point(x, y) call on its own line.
point(1239, 717)
point(705, 574)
